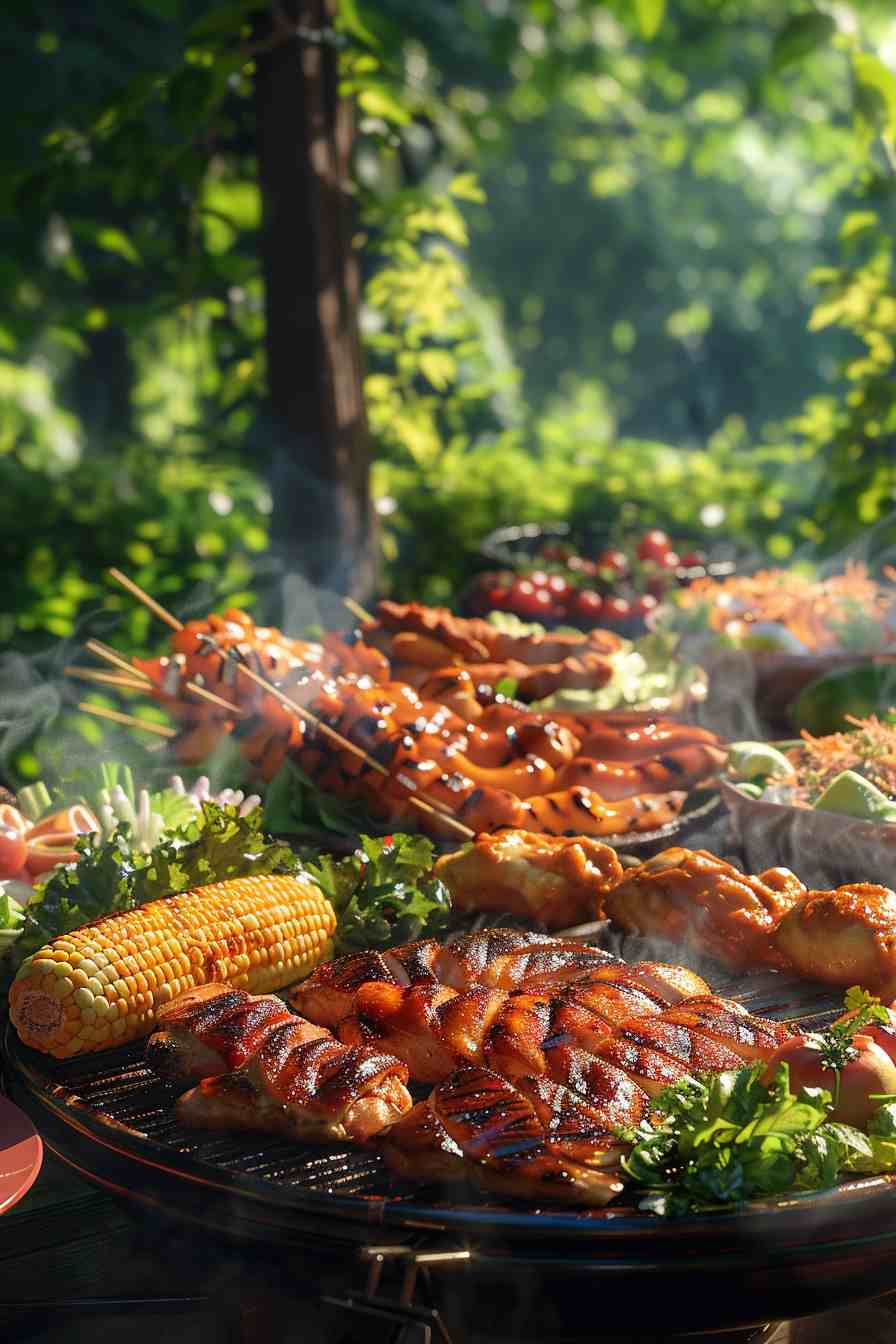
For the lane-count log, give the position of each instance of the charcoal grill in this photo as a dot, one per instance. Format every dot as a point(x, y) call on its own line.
point(113, 1120)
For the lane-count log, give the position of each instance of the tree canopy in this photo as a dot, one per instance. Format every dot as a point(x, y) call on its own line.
point(615, 257)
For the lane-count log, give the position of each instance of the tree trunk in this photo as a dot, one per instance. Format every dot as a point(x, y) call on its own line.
point(320, 456)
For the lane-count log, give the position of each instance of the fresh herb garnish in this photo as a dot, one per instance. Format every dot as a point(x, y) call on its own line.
point(111, 876)
point(382, 894)
point(835, 1045)
point(295, 805)
point(726, 1138)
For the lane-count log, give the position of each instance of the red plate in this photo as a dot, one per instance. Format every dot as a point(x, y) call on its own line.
point(21, 1154)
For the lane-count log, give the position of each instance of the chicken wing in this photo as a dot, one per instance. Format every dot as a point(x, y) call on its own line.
point(694, 897)
point(843, 937)
point(556, 880)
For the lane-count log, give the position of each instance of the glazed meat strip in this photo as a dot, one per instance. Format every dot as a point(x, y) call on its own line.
point(478, 641)
point(435, 1028)
point(558, 881)
point(533, 1139)
point(214, 1029)
point(694, 897)
point(309, 1089)
point(498, 958)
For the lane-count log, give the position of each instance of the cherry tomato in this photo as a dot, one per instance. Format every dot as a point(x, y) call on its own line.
point(587, 605)
point(527, 600)
point(617, 561)
point(13, 851)
point(538, 577)
point(653, 545)
point(691, 559)
point(616, 610)
point(579, 565)
point(642, 606)
point(670, 561)
point(497, 599)
point(559, 586)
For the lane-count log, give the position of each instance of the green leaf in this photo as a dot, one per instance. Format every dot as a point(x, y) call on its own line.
point(381, 102)
point(875, 92)
point(113, 240)
point(856, 223)
point(649, 14)
point(439, 368)
point(383, 895)
point(465, 186)
point(350, 20)
point(799, 36)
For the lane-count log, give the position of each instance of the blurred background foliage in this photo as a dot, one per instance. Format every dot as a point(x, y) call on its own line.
point(619, 258)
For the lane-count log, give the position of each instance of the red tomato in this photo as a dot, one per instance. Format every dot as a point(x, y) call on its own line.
point(653, 545)
point(691, 559)
point(587, 605)
point(527, 600)
point(871, 1072)
point(559, 586)
point(13, 851)
point(538, 577)
point(616, 610)
point(617, 561)
point(497, 599)
point(644, 605)
point(670, 561)
point(579, 565)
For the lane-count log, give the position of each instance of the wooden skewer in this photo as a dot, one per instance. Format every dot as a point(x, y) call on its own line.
point(117, 660)
point(129, 720)
point(345, 744)
point(357, 610)
point(136, 591)
point(105, 678)
point(214, 699)
point(342, 742)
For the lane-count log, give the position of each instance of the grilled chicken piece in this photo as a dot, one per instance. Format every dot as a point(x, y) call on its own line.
point(418, 1148)
point(308, 1089)
point(544, 1143)
point(750, 1038)
point(499, 958)
point(694, 897)
point(533, 1140)
point(435, 1029)
point(843, 937)
point(656, 1053)
point(214, 1029)
point(556, 880)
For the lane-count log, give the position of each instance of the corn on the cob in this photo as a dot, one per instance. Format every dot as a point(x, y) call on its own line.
point(101, 985)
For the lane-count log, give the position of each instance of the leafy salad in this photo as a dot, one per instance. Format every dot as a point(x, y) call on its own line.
point(149, 845)
point(646, 673)
point(723, 1139)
